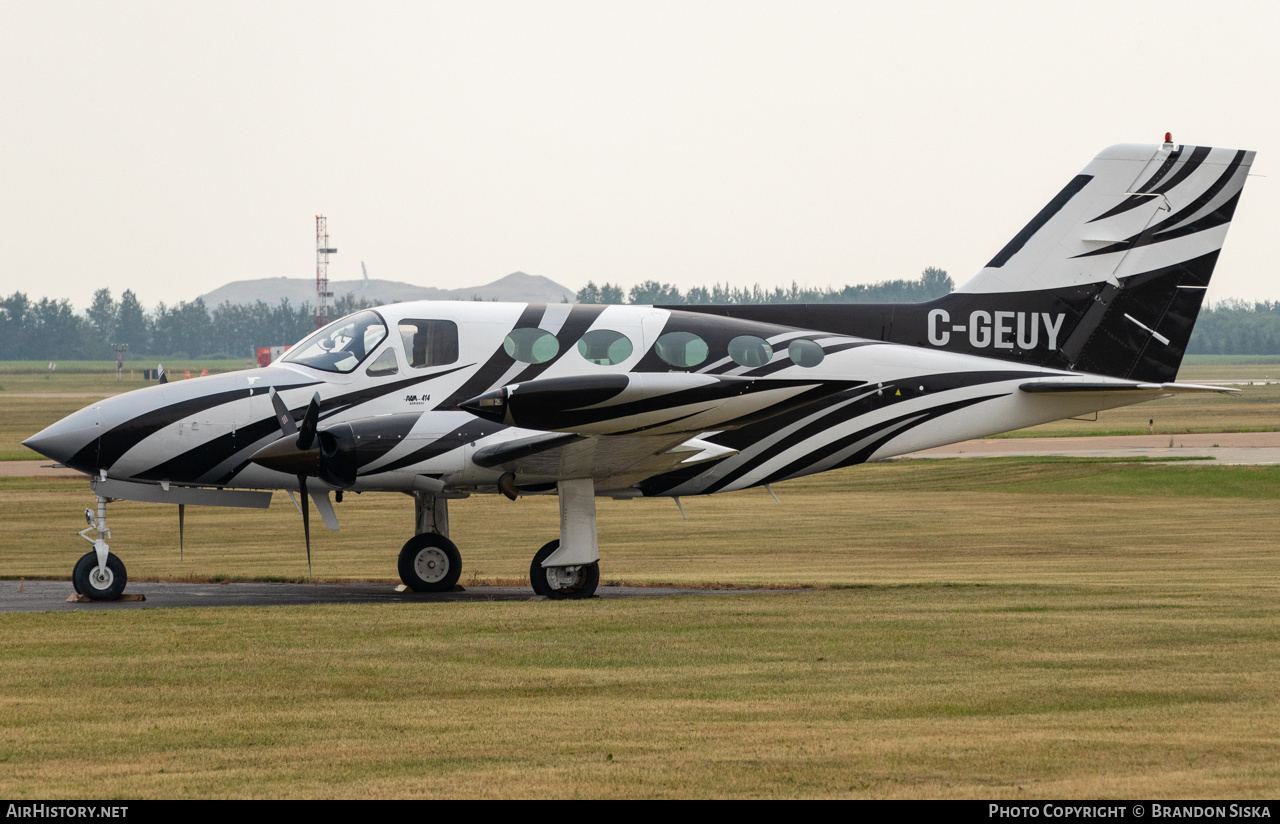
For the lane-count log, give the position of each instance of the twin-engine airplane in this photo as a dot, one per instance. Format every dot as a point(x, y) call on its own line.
point(1089, 307)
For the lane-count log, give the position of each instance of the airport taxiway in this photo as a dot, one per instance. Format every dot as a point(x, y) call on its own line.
point(51, 596)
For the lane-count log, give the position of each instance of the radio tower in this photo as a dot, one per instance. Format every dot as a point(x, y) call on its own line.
point(322, 271)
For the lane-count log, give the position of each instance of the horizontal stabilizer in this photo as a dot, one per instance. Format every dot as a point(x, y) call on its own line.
point(1074, 385)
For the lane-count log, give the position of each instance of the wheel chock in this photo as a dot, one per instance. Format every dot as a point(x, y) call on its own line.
point(77, 598)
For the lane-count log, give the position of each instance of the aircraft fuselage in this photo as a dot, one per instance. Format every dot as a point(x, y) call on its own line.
point(890, 400)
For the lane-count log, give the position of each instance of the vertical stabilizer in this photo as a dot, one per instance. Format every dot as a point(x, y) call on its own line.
point(1107, 278)
point(1113, 270)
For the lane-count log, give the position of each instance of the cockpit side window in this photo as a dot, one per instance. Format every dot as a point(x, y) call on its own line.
point(384, 365)
point(429, 342)
point(342, 345)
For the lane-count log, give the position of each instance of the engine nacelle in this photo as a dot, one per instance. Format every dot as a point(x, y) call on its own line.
point(339, 450)
point(654, 403)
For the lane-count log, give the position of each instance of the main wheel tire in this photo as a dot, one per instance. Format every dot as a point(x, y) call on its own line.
point(89, 560)
point(583, 584)
point(96, 583)
point(430, 563)
point(537, 575)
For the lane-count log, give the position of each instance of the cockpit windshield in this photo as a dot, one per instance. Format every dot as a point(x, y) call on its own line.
point(341, 346)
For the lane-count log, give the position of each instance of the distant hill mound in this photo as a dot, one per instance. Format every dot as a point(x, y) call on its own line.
point(516, 287)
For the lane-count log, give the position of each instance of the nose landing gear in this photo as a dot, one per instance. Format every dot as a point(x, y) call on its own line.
point(99, 575)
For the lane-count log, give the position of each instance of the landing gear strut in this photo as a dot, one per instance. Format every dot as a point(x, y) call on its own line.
point(570, 567)
point(99, 575)
point(429, 561)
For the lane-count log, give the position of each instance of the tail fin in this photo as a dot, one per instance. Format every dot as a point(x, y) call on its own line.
point(1109, 276)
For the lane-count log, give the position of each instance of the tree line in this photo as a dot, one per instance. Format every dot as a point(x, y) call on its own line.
point(933, 283)
point(53, 330)
point(1237, 327)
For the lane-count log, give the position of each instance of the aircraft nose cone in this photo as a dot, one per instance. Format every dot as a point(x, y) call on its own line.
point(71, 441)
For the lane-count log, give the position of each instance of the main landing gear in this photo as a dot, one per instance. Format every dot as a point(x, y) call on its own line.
point(562, 582)
point(429, 561)
point(568, 567)
point(99, 575)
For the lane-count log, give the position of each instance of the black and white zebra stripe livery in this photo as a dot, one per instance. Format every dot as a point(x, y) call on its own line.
point(1089, 307)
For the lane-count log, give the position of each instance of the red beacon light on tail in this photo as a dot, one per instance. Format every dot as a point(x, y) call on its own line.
point(1168, 140)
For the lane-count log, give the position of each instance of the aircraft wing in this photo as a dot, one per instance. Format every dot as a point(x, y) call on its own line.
point(613, 462)
point(619, 429)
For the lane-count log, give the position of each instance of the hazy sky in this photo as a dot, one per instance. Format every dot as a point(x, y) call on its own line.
point(170, 147)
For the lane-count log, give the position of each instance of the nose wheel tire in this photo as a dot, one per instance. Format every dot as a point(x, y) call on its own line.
point(96, 583)
point(430, 563)
point(562, 583)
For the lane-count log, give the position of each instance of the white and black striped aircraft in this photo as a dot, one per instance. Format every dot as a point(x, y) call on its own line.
point(1089, 307)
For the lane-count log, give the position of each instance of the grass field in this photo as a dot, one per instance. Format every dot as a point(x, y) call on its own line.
point(1015, 628)
point(1044, 691)
point(993, 628)
point(99, 376)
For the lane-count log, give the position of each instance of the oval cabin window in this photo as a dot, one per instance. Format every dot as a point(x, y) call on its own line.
point(681, 349)
point(805, 353)
point(749, 350)
point(605, 347)
point(531, 345)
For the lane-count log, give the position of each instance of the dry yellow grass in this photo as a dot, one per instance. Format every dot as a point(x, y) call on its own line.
point(986, 629)
point(988, 692)
point(1002, 634)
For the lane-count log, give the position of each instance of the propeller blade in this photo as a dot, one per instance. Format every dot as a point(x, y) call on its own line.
point(298, 456)
point(283, 416)
point(182, 512)
point(307, 433)
point(306, 518)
